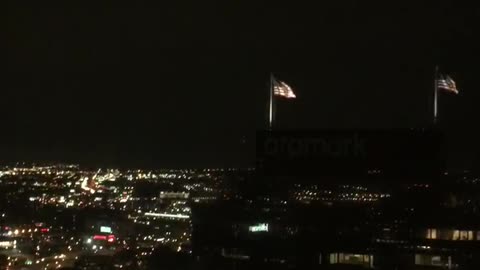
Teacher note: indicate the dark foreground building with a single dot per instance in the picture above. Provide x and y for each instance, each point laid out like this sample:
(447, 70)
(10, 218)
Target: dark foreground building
(344, 200)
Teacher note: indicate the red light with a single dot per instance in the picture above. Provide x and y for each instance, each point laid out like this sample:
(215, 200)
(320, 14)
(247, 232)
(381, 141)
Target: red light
(44, 230)
(111, 238)
(99, 237)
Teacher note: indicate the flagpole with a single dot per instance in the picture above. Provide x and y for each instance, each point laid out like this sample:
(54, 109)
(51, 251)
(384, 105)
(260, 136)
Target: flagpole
(435, 97)
(270, 120)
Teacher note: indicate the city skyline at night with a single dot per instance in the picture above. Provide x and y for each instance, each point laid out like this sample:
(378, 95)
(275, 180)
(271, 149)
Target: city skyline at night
(193, 135)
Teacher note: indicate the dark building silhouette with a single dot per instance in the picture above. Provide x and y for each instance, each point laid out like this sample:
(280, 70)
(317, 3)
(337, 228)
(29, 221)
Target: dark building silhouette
(350, 199)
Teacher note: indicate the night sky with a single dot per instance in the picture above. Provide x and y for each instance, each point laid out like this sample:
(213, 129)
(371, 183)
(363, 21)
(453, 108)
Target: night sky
(186, 84)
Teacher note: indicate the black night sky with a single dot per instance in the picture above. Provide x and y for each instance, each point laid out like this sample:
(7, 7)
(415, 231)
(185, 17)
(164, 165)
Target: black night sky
(186, 84)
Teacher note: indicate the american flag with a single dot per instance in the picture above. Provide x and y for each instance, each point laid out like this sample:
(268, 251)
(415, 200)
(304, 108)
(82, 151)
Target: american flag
(447, 83)
(282, 89)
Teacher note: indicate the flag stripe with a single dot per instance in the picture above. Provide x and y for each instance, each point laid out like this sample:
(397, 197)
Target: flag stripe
(282, 89)
(446, 83)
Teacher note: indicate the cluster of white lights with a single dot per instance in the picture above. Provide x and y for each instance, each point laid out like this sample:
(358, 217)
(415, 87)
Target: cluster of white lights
(180, 216)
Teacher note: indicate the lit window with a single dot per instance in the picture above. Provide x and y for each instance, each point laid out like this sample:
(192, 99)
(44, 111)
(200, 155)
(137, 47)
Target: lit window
(431, 260)
(437, 260)
(333, 258)
(456, 235)
(353, 259)
(432, 234)
(463, 235)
